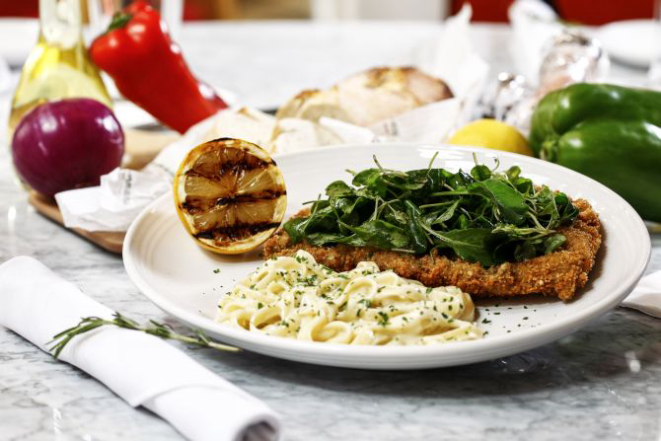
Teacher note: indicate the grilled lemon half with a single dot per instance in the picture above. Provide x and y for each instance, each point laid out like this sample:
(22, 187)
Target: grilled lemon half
(230, 195)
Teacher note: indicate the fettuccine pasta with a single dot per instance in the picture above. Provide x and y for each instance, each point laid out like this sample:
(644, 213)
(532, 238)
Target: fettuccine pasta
(295, 297)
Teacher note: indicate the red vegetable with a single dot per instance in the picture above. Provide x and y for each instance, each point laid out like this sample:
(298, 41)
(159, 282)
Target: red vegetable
(149, 69)
(67, 144)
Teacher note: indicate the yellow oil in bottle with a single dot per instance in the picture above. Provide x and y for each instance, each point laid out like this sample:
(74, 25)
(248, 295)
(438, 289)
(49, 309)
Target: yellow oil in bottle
(59, 66)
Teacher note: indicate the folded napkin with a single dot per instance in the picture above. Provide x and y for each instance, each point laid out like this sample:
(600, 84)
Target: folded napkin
(646, 297)
(140, 368)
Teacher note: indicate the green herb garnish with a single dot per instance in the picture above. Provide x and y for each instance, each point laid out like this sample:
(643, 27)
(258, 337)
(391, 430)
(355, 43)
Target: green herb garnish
(366, 302)
(483, 216)
(159, 330)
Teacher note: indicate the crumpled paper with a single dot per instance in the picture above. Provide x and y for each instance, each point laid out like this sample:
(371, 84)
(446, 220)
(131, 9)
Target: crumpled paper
(122, 195)
(426, 124)
(534, 24)
(114, 204)
(453, 58)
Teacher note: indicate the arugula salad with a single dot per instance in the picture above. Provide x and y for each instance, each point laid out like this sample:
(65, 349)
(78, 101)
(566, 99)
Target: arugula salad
(483, 216)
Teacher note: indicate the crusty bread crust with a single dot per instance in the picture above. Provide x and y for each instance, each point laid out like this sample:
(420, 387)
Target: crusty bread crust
(559, 274)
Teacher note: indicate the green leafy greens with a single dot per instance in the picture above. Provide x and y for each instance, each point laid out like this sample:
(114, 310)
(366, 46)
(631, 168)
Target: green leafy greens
(483, 216)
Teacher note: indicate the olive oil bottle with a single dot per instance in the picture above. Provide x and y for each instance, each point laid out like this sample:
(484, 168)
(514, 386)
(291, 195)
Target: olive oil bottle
(59, 65)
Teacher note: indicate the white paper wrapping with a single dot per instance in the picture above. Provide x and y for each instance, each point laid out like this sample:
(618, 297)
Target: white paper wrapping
(432, 123)
(122, 195)
(454, 59)
(140, 368)
(534, 24)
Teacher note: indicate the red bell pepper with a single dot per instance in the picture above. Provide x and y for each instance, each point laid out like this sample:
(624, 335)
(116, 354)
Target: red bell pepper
(149, 69)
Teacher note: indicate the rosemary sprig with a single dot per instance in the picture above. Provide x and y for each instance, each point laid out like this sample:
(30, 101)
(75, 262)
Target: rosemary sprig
(154, 328)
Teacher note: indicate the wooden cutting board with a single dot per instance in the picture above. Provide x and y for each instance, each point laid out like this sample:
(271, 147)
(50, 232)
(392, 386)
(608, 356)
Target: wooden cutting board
(108, 240)
(141, 147)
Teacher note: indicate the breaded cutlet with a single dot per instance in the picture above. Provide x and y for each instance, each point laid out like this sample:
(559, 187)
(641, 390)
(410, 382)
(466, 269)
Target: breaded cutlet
(559, 274)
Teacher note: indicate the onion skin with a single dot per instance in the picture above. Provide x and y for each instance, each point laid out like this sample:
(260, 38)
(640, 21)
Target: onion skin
(67, 144)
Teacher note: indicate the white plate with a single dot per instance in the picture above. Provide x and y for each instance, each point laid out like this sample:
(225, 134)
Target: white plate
(178, 276)
(634, 42)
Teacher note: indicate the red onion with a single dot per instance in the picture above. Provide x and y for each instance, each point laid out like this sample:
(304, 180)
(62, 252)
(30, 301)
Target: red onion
(67, 144)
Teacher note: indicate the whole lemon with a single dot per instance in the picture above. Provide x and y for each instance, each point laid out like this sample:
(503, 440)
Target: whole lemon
(492, 134)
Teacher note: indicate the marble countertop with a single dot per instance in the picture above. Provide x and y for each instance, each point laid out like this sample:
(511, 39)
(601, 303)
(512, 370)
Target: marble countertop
(600, 383)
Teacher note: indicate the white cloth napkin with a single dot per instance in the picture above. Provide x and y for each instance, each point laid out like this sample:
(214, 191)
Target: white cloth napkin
(646, 297)
(142, 369)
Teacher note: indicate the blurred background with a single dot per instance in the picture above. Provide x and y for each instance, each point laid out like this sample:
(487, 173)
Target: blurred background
(588, 12)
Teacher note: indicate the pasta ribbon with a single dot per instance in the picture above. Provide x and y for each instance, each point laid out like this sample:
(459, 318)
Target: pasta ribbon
(296, 297)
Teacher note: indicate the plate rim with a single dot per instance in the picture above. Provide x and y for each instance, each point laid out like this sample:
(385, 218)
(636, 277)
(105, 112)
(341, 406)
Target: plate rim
(479, 349)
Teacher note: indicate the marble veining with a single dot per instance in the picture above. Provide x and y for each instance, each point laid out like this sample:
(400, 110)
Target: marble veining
(599, 383)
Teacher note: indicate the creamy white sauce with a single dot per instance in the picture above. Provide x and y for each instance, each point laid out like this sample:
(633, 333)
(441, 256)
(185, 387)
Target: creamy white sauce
(295, 297)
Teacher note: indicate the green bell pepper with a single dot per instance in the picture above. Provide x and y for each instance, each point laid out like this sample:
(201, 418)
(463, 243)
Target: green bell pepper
(609, 133)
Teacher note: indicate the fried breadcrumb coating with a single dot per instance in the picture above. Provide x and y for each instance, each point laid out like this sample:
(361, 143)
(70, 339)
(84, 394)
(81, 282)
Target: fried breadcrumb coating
(559, 274)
